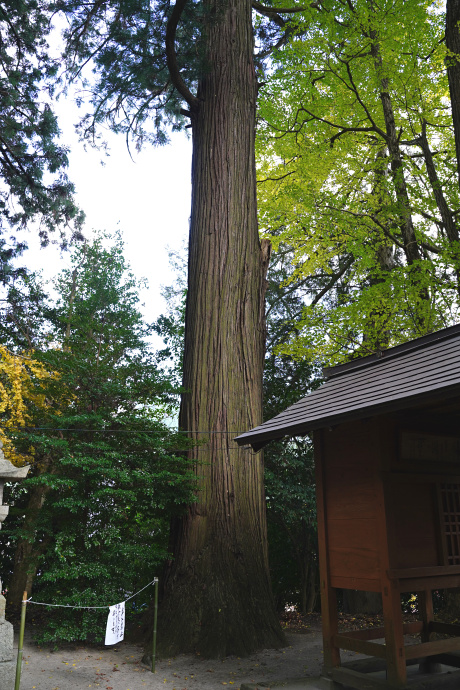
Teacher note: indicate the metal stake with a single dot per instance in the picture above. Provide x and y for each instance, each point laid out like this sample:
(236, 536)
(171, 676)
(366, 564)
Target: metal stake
(155, 616)
(21, 641)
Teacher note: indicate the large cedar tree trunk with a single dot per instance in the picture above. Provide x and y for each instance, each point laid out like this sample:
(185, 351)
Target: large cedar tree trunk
(217, 596)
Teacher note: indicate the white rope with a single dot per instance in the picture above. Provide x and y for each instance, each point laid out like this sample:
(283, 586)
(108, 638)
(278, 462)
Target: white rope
(155, 579)
(69, 606)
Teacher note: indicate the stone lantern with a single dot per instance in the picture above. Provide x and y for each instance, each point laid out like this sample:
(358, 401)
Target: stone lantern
(8, 473)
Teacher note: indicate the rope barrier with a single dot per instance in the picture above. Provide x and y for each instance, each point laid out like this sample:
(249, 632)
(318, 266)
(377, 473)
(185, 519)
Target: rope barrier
(29, 600)
(117, 431)
(70, 606)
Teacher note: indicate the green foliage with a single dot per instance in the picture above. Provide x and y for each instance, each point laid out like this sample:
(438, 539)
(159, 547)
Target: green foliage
(171, 325)
(34, 190)
(108, 471)
(32, 164)
(125, 42)
(289, 468)
(291, 519)
(105, 517)
(343, 186)
(285, 379)
(23, 305)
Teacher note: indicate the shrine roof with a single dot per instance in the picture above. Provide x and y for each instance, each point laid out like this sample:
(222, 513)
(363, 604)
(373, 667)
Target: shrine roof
(424, 369)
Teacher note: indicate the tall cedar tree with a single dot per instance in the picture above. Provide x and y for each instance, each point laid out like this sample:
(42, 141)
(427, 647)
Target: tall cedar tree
(152, 60)
(289, 470)
(105, 478)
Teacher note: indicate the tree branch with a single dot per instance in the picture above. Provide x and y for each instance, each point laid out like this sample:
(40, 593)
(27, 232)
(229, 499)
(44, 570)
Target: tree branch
(343, 128)
(270, 12)
(274, 13)
(436, 186)
(263, 9)
(171, 60)
(281, 42)
(332, 282)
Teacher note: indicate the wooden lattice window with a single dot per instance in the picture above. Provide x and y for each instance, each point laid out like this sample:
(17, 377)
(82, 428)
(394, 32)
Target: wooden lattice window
(450, 521)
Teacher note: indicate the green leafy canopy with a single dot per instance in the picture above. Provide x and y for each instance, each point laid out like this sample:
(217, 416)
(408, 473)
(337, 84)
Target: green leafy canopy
(357, 175)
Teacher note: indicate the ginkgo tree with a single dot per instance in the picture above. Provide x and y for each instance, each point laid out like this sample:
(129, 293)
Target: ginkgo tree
(21, 393)
(357, 173)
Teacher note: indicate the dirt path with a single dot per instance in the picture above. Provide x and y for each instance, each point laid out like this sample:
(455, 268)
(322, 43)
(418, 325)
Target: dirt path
(120, 667)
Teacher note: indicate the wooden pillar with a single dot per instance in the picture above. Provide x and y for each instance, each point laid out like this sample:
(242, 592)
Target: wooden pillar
(328, 593)
(394, 637)
(330, 625)
(425, 603)
(391, 596)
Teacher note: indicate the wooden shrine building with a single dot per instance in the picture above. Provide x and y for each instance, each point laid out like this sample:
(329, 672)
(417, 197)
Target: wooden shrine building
(386, 432)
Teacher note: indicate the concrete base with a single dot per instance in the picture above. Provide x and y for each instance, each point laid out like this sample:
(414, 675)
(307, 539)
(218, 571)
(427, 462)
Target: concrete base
(447, 679)
(7, 664)
(7, 675)
(6, 641)
(321, 683)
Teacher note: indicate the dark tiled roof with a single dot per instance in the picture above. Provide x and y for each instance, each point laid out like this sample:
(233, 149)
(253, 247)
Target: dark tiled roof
(423, 369)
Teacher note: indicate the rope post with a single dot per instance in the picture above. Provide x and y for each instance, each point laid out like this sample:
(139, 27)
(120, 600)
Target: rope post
(155, 616)
(21, 641)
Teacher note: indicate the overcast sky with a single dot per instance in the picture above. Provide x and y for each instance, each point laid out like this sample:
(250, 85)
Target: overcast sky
(148, 199)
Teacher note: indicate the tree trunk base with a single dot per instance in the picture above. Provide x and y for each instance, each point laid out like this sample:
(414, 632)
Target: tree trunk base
(215, 617)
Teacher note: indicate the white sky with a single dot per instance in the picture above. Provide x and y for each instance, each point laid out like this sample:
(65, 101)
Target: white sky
(148, 199)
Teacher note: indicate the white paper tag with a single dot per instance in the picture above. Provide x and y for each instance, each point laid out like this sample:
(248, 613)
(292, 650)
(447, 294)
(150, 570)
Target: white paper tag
(115, 630)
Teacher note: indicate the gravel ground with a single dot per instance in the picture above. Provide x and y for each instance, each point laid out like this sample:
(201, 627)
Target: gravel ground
(120, 667)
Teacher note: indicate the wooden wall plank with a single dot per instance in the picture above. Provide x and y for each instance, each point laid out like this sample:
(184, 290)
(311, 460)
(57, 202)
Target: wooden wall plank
(351, 503)
(412, 628)
(445, 628)
(418, 651)
(431, 571)
(359, 583)
(417, 584)
(353, 533)
(357, 680)
(348, 562)
(353, 644)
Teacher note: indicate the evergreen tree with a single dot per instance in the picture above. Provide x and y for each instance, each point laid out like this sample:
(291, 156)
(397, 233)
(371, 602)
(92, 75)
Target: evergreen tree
(107, 475)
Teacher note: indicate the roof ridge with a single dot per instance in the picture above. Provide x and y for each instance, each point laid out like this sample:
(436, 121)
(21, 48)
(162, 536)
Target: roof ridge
(397, 350)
